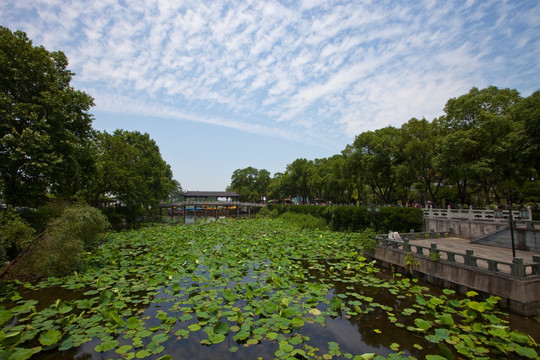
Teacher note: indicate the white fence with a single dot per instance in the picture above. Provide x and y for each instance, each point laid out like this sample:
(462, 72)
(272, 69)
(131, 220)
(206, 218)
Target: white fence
(475, 214)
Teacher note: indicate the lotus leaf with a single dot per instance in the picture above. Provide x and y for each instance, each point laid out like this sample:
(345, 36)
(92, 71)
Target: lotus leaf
(241, 335)
(123, 349)
(106, 346)
(155, 348)
(159, 338)
(141, 354)
(5, 315)
(50, 337)
(21, 354)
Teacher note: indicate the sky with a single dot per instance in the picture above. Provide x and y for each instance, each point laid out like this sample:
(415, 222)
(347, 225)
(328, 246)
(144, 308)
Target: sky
(223, 85)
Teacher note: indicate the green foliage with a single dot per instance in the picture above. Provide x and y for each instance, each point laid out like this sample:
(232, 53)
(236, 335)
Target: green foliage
(305, 221)
(163, 287)
(358, 218)
(487, 138)
(15, 234)
(529, 113)
(132, 172)
(67, 237)
(410, 262)
(40, 218)
(45, 127)
(435, 256)
(84, 223)
(381, 155)
(266, 212)
(251, 183)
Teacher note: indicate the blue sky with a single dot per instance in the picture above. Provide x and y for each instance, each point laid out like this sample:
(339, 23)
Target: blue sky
(223, 85)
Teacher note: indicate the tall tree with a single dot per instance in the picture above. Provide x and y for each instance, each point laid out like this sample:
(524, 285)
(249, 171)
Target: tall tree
(419, 140)
(133, 171)
(380, 156)
(44, 123)
(251, 183)
(298, 179)
(528, 112)
(353, 173)
(484, 117)
(328, 180)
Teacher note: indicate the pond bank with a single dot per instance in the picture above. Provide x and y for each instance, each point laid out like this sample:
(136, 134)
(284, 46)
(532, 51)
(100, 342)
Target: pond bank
(452, 263)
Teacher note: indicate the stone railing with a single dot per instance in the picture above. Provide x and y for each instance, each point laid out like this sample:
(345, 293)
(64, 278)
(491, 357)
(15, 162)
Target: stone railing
(515, 268)
(476, 214)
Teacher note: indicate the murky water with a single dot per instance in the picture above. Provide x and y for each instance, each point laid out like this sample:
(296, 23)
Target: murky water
(366, 333)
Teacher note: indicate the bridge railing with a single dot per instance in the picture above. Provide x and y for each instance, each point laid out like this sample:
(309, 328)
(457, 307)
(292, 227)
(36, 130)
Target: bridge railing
(477, 214)
(515, 268)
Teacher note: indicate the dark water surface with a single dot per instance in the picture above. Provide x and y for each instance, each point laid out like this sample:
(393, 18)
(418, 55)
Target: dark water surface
(366, 333)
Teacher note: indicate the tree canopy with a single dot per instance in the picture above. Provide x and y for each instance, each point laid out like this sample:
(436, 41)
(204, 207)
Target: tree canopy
(484, 148)
(49, 148)
(45, 125)
(251, 183)
(132, 171)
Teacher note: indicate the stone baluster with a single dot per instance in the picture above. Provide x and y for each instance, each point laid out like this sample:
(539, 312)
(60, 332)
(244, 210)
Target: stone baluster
(518, 268)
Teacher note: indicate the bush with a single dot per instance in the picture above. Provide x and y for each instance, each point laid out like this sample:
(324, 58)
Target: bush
(59, 252)
(40, 218)
(356, 218)
(304, 221)
(15, 234)
(83, 223)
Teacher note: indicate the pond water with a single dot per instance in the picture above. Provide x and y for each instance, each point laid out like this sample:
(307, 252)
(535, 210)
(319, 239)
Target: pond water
(242, 291)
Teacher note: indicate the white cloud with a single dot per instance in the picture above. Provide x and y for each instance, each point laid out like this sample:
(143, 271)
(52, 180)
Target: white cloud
(323, 71)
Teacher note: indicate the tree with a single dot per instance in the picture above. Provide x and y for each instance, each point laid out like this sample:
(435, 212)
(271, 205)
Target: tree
(276, 187)
(380, 156)
(352, 171)
(420, 138)
(133, 171)
(45, 126)
(297, 179)
(452, 162)
(484, 117)
(328, 182)
(177, 193)
(528, 112)
(251, 183)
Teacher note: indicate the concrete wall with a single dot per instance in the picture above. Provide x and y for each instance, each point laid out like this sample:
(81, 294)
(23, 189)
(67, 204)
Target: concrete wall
(524, 239)
(465, 229)
(521, 295)
(488, 232)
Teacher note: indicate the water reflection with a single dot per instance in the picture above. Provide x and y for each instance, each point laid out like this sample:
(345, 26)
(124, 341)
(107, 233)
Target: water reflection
(356, 334)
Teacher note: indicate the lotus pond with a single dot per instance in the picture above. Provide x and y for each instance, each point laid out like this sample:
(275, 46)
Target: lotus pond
(246, 289)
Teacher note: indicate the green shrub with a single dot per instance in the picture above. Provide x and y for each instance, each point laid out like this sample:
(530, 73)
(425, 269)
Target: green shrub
(304, 221)
(15, 234)
(84, 223)
(40, 218)
(59, 252)
(357, 218)
(266, 212)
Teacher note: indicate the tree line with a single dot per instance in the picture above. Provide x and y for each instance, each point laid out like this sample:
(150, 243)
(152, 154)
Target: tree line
(49, 150)
(484, 151)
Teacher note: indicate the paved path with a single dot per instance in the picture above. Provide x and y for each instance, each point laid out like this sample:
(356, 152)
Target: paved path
(459, 245)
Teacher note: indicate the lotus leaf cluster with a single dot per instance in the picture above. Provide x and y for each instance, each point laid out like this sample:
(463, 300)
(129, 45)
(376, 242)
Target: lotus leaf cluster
(257, 288)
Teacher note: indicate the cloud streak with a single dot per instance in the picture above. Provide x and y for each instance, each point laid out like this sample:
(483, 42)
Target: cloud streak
(314, 72)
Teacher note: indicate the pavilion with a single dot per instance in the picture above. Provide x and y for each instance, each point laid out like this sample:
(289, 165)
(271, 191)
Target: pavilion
(210, 195)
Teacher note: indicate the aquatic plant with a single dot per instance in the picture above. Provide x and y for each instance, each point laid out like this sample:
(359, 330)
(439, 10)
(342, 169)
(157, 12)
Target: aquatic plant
(244, 286)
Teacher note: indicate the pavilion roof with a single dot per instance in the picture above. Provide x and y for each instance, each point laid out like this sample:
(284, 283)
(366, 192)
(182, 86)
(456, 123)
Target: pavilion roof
(196, 194)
